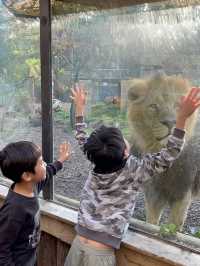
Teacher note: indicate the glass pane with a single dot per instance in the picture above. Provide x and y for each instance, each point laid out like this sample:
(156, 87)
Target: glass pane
(139, 59)
(20, 110)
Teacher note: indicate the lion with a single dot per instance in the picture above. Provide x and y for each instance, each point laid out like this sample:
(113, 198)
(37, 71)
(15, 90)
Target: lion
(152, 105)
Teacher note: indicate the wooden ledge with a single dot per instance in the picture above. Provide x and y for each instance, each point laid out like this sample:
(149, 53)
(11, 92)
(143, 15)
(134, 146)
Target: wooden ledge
(59, 222)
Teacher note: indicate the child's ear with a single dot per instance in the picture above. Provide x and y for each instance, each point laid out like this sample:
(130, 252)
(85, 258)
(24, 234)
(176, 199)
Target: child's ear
(26, 176)
(126, 153)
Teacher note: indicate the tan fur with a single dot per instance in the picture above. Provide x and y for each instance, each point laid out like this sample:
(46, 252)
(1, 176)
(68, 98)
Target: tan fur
(152, 106)
(146, 122)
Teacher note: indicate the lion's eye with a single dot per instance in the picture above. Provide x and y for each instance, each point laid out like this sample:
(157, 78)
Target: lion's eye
(153, 107)
(133, 96)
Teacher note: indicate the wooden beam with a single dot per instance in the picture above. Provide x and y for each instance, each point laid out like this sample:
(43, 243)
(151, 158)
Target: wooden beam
(110, 4)
(63, 7)
(69, 6)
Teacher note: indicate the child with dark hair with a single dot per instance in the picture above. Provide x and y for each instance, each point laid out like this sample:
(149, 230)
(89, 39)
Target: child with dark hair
(22, 163)
(108, 197)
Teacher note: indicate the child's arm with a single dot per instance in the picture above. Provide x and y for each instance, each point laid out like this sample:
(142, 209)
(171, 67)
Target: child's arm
(80, 134)
(150, 164)
(79, 98)
(161, 161)
(53, 168)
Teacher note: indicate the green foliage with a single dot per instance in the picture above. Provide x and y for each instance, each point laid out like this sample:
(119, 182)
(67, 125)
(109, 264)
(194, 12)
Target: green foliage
(168, 230)
(19, 49)
(102, 109)
(109, 114)
(34, 67)
(197, 234)
(61, 115)
(106, 113)
(61, 71)
(195, 231)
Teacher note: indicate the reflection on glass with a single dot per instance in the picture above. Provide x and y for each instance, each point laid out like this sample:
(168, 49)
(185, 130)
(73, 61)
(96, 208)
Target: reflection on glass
(111, 52)
(20, 117)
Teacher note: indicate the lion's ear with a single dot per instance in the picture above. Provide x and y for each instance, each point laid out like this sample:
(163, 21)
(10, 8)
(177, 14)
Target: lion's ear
(137, 91)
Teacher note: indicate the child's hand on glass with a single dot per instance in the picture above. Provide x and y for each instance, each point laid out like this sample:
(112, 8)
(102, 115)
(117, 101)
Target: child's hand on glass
(64, 152)
(79, 98)
(188, 105)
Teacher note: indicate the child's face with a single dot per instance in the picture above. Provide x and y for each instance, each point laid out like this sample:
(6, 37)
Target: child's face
(40, 171)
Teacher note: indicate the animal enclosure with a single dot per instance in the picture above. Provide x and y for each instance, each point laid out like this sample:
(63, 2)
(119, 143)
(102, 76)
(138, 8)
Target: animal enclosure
(111, 52)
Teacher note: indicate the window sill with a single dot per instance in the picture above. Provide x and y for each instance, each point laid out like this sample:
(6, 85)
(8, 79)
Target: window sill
(59, 221)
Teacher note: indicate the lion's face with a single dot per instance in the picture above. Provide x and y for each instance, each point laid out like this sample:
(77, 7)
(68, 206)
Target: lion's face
(152, 107)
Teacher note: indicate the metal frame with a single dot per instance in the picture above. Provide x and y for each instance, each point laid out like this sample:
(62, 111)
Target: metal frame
(46, 89)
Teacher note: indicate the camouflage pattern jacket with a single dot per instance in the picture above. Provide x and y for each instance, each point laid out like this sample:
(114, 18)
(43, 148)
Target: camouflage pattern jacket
(108, 200)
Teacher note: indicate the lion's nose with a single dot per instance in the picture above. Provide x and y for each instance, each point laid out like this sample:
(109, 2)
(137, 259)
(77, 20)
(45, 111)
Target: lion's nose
(169, 123)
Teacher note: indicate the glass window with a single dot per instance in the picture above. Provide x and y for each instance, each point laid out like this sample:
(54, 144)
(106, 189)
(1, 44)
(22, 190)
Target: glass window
(20, 108)
(120, 55)
(135, 62)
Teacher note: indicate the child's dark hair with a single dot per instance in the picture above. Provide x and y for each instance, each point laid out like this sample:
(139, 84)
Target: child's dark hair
(105, 148)
(17, 158)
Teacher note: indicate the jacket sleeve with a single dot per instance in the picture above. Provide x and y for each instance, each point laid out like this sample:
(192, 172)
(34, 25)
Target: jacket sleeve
(51, 170)
(9, 231)
(80, 134)
(145, 168)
